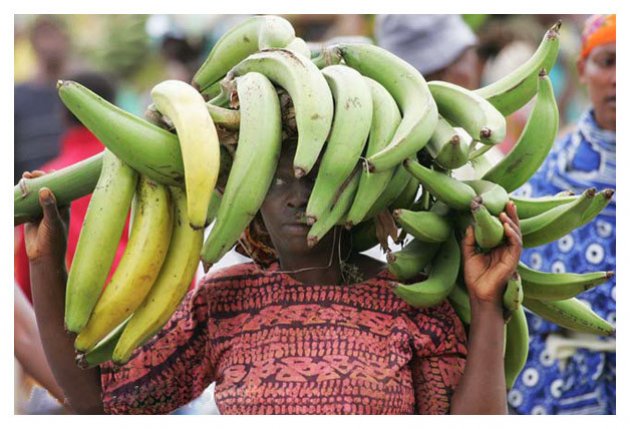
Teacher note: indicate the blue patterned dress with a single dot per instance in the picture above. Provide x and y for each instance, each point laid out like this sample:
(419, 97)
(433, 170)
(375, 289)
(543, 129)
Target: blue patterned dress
(585, 384)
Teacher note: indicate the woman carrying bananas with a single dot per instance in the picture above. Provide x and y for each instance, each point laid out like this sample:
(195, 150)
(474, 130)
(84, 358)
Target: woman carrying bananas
(300, 330)
(567, 373)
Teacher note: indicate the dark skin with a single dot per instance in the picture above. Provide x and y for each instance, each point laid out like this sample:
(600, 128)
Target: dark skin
(598, 71)
(482, 387)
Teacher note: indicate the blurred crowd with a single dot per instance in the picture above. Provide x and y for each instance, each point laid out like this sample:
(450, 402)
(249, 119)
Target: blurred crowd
(121, 57)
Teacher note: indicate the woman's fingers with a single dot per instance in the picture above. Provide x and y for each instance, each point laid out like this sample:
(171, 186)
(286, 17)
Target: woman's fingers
(512, 212)
(32, 174)
(514, 239)
(506, 219)
(468, 244)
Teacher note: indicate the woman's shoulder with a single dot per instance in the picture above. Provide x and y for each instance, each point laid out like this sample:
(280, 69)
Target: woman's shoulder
(236, 273)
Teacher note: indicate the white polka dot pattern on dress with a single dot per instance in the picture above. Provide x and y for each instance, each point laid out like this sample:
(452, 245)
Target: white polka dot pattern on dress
(595, 253)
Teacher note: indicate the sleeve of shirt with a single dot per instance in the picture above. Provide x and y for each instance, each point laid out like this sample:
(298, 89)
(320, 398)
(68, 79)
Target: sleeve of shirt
(167, 372)
(439, 344)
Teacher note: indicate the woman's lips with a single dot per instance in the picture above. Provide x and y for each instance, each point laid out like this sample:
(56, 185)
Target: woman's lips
(297, 228)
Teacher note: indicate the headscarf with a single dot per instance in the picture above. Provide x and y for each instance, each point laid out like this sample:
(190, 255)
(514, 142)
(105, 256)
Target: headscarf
(598, 30)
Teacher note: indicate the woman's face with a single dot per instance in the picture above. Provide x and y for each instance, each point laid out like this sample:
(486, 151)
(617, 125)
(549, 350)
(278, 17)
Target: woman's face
(598, 72)
(285, 203)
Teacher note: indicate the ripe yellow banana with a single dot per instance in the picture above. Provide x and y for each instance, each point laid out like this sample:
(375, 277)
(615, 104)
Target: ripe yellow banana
(138, 267)
(102, 227)
(170, 286)
(198, 141)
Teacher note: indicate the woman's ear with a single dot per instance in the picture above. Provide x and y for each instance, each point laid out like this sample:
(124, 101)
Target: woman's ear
(581, 66)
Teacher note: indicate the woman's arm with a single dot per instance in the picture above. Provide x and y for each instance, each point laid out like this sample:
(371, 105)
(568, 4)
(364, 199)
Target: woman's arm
(46, 248)
(481, 389)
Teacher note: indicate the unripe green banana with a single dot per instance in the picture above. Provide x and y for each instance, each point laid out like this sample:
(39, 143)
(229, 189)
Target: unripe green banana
(411, 259)
(385, 121)
(516, 346)
(489, 231)
(557, 222)
(299, 46)
(252, 35)
(571, 314)
(198, 141)
(309, 92)
(170, 287)
(409, 89)
(407, 196)
(447, 189)
(345, 143)
(513, 294)
(148, 149)
(493, 196)
(98, 241)
(225, 118)
(600, 201)
(470, 111)
(425, 226)
(442, 276)
(253, 168)
(530, 207)
(213, 207)
(139, 266)
(513, 91)
(363, 236)
(400, 179)
(460, 301)
(102, 352)
(558, 286)
(534, 143)
(446, 147)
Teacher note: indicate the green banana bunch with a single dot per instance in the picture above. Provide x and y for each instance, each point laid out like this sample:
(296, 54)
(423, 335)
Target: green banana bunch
(309, 92)
(600, 201)
(571, 314)
(411, 259)
(139, 266)
(409, 89)
(254, 165)
(398, 183)
(514, 90)
(198, 141)
(352, 97)
(148, 149)
(470, 111)
(170, 287)
(426, 226)
(98, 241)
(558, 286)
(449, 190)
(513, 294)
(488, 229)
(534, 144)
(442, 277)
(446, 147)
(493, 196)
(557, 222)
(516, 346)
(385, 121)
(252, 35)
(460, 301)
(530, 207)
(299, 46)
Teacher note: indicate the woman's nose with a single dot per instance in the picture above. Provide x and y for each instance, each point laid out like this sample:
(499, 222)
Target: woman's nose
(300, 192)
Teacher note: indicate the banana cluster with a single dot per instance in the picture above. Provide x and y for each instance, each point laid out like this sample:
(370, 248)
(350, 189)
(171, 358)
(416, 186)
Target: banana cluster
(383, 136)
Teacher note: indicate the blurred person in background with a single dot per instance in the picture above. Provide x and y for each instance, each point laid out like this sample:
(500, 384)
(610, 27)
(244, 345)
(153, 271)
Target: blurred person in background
(567, 373)
(37, 109)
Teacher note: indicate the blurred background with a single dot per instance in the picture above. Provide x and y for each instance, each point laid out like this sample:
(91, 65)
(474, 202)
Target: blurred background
(123, 56)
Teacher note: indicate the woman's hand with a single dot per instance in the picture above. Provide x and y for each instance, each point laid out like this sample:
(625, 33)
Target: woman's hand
(46, 238)
(486, 274)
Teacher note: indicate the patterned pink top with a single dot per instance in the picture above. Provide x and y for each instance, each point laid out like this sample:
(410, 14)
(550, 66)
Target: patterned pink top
(276, 346)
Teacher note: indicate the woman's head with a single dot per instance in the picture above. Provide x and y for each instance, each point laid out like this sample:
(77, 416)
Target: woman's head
(597, 68)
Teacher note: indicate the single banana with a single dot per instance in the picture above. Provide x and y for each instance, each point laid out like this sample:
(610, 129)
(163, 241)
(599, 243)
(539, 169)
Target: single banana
(488, 229)
(557, 286)
(102, 352)
(170, 286)
(442, 276)
(411, 259)
(425, 226)
(252, 35)
(385, 121)
(571, 314)
(451, 191)
(253, 168)
(534, 143)
(98, 241)
(409, 89)
(229, 119)
(298, 45)
(335, 215)
(516, 346)
(139, 266)
(148, 149)
(460, 301)
(213, 207)
(363, 236)
(398, 183)
(345, 143)
(513, 294)
(600, 201)
(470, 111)
(198, 141)
(557, 222)
(309, 92)
(493, 196)
(446, 147)
(530, 207)
(513, 91)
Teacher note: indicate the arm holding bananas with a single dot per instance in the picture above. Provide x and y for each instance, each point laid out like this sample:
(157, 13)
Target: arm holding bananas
(481, 389)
